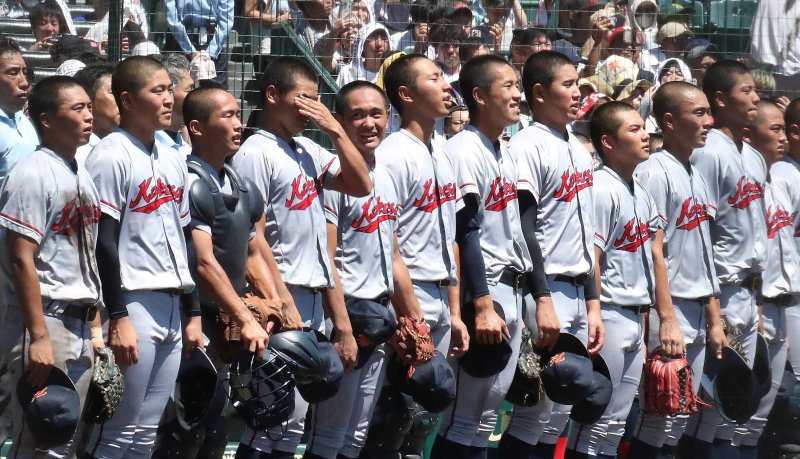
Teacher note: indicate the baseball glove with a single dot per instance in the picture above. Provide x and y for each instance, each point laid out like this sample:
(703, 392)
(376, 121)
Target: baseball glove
(105, 389)
(668, 386)
(413, 340)
(263, 312)
(529, 368)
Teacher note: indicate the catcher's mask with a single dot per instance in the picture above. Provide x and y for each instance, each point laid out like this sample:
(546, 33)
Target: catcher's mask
(51, 411)
(199, 396)
(262, 390)
(567, 371)
(372, 324)
(300, 350)
(589, 410)
(330, 376)
(432, 384)
(484, 360)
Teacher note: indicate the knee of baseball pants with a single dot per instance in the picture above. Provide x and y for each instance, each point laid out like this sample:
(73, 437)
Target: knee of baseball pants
(327, 431)
(708, 425)
(530, 424)
(653, 429)
(373, 374)
(793, 333)
(600, 438)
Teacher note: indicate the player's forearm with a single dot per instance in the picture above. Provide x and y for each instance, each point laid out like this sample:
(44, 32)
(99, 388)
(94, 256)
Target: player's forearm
(536, 278)
(468, 237)
(25, 282)
(454, 291)
(259, 275)
(217, 284)
(663, 298)
(354, 176)
(404, 300)
(713, 312)
(109, 266)
(333, 298)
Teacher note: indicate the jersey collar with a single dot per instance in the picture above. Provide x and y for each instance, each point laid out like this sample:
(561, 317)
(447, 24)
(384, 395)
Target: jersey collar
(71, 167)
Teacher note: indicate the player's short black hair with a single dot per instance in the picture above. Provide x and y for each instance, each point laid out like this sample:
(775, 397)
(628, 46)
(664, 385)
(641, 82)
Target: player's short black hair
(763, 103)
(478, 73)
(401, 72)
(91, 76)
(9, 45)
(668, 98)
(606, 120)
(792, 114)
(721, 76)
(340, 101)
(132, 74)
(285, 71)
(469, 47)
(46, 96)
(198, 104)
(541, 68)
(46, 9)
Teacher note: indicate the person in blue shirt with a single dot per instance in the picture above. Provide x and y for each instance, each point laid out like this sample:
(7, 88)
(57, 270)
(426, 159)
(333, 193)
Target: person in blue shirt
(18, 138)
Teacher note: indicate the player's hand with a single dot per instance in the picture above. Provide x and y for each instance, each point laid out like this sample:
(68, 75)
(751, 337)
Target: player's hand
(193, 335)
(318, 113)
(597, 333)
(123, 341)
(291, 317)
(761, 319)
(254, 337)
(489, 326)
(671, 337)
(346, 347)
(459, 338)
(715, 338)
(547, 323)
(40, 360)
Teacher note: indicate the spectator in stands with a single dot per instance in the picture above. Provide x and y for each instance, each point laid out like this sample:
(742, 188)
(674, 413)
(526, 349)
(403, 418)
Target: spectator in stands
(132, 11)
(69, 47)
(372, 44)
(645, 15)
(47, 23)
(577, 19)
(178, 69)
(334, 48)
(314, 21)
(673, 70)
(672, 38)
(200, 30)
(394, 14)
(700, 54)
(261, 17)
(471, 47)
(775, 40)
(525, 43)
(627, 42)
(18, 138)
(456, 120)
(446, 39)
(96, 80)
(415, 38)
(497, 25)
(461, 15)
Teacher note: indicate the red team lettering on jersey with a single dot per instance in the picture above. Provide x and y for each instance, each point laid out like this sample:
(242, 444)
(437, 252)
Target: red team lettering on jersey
(501, 193)
(427, 202)
(74, 216)
(634, 235)
(693, 213)
(572, 183)
(777, 220)
(154, 197)
(304, 191)
(373, 212)
(746, 192)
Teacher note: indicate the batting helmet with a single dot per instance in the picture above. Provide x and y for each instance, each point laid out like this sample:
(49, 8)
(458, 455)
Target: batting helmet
(199, 396)
(330, 376)
(300, 350)
(483, 360)
(51, 411)
(262, 391)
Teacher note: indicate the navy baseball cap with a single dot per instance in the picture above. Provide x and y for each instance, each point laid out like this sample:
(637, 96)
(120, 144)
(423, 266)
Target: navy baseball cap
(51, 412)
(590, 409)
(432, 384)
(327, 383)
(733, 386)
(372, 325)
(484, 360)
(567, 373)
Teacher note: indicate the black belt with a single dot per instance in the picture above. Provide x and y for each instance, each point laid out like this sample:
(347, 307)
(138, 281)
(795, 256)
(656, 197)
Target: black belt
(313, 290)
(702, 299)
(752, 282)
(169, 291)
(574, 280)
(638, 309)
(80, 311)
(512, 278)
(787, 299)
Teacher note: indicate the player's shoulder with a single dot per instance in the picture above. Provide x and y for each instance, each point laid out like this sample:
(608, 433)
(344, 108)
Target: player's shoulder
(785, 170)
(34, 166)
(398, 150)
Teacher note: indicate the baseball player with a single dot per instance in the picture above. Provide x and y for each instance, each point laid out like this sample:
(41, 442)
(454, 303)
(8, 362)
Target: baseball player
(555, 195)
(735, 176)
(786, 175)
(96, 81)
(781, 272)
(628, 246)
(141, 253)
(291, 172)
(493, 253)
(681, 197)
(362, 239)
(49, 211)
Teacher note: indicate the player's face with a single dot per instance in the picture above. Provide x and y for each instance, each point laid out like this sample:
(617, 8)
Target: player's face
(431, 90)
(743, 100)
(632, 142)
(563, 98)
(184, 85)
(70, 125)
(222, 133)
(503, 96)
(693, 121)
(104, 108)
(365, 119)
(152, 105)
(13, 83)
(768, 136)
(293, 122)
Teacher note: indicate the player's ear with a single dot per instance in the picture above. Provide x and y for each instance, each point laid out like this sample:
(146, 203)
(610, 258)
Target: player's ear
(271, 94)
(747, 134)
(194, 128)
(719, 100)
(405, 93)
(538, 92)
(45, 120)
(478, 96)
(793, 132)
(668, 121)
(127, 100)
(607, 141)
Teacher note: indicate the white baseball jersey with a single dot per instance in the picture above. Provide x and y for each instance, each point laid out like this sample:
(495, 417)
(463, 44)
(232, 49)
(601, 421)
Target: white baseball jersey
(625, 221)
(559, 173)
(786, 175)
(685, 209)
(782, 273)
(144, 191)
(56, 205)
(735, 181)
(488, 171)
(426, 188)
(291, 178)
(366, 226)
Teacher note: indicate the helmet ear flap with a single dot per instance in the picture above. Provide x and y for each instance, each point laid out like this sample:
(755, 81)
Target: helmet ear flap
(261, 390)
